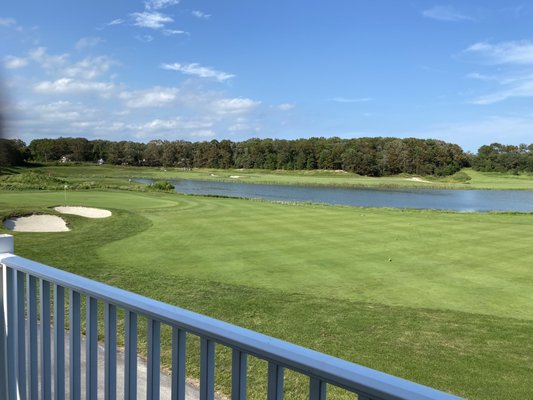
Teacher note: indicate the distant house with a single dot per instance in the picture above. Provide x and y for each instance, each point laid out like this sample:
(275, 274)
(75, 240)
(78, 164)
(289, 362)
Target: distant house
(64, 159)
(100, 161)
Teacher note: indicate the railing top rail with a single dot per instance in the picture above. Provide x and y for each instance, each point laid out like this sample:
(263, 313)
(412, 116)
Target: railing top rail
(330, 369)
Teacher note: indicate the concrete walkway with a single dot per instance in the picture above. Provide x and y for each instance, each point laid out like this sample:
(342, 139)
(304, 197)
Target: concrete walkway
(191, 392)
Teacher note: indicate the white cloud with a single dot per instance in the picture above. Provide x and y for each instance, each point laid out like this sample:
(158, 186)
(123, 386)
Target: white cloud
(285, 106)
(446, 14)
(155, 97)
(234, 106)
(170, 32)
(86, 42)
(117, 21)
(197, 70)
(8, 22)
(200, 14)
(242, 127)
(175, 124)
(144, 38)
(12, 62)
(515, 88)
(205, 133)
(47, 61)
(481, 77)
(68, 85)
(350, 100)
(158, 124)
(152, 20)
(514, 52)
(512, 83)
(159, 4)
(89, 68)
(60, 111)
(472, 134)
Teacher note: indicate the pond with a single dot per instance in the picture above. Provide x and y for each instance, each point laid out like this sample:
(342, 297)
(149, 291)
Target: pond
(457, 200)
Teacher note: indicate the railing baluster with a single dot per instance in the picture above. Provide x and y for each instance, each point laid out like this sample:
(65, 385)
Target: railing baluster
(207, 369)
(21, 335)
(317, 389)
(46, 357)
(238, 375)
(91, 353)
(3, 356)
(275, 382)
(110, 374)
(33, 381)
(11, 334)
(178, 364)
(154, 354)
(75, 345)
(59, 342)
(130, 358)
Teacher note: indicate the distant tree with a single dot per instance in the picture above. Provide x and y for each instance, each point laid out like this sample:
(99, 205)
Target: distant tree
(152, 155)
(168, 156)
(79, 149)
(13, 152)
(225, 154)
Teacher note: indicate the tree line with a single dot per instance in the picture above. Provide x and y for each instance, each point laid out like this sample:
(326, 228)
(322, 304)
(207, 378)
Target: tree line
(498, 157)
(376, 156)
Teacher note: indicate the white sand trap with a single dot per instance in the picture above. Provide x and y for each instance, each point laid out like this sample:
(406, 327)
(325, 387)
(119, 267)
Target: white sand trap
(36, 223)
(415, 179)
(235, 176)
(86, 212)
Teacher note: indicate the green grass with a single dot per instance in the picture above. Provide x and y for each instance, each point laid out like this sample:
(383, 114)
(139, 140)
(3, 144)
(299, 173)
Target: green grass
(479, 180)
(453, 308)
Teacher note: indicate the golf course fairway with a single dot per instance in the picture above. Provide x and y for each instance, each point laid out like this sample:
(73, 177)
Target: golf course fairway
(441, 298)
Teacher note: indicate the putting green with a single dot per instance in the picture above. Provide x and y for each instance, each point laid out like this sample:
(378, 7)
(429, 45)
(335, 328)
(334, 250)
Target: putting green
(463, 262)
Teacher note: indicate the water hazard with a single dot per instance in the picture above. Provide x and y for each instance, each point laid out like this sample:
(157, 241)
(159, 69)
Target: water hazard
(457, 200)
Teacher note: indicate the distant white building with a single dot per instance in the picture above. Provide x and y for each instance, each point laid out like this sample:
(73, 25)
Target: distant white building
(101, 161)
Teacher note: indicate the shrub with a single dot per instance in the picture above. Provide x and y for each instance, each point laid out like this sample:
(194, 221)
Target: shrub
(461, 176)
(31, 180)
(162, 186)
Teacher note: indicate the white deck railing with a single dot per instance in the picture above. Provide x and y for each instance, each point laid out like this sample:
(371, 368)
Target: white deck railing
(27, 371)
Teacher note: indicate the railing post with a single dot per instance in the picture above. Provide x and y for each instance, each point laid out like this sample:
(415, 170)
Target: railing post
(6, 247)
(3, 350)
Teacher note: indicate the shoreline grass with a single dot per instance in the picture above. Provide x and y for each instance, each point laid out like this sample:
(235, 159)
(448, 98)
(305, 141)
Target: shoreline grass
(121, 174)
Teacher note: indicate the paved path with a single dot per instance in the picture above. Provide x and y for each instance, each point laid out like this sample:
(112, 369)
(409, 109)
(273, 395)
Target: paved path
(191, 392)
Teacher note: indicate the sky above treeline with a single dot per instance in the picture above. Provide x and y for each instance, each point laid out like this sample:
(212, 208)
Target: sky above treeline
(210, 69)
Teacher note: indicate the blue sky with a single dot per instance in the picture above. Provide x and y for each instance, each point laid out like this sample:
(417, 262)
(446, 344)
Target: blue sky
(200, 70)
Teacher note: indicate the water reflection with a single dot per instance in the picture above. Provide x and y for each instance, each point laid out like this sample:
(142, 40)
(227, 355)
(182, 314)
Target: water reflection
(457, 200)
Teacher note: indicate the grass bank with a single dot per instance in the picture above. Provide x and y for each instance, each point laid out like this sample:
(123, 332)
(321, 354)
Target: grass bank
(445, 299)
(115, 175)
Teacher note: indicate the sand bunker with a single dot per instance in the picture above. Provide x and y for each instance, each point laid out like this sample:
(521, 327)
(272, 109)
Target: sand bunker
(36, 223)
(86, 212)
(415, 179)
(235, 176)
